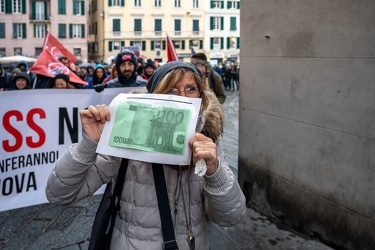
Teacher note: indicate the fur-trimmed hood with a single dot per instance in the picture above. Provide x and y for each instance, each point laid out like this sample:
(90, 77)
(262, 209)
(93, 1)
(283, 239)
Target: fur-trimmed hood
(210, 121)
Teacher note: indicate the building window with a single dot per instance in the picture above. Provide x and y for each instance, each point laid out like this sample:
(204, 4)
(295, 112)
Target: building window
(2, 30)
(140, 44)
(17, 7)
(62, 30)
(157, 3)
(61, 8)
(19, 30)
(2, 52)
(217, 43)
(233, 5)
(115, 46)
(158, 27)
(116, 2)
(39, 11)
(39, 30)
(233, 21)
(77, 52)
(18, 51)
(217, 23)
(177, 3)
(137, 3)
(179, 44)
(156, 45)
(196, 27)
(78, 7)
(38, 51)
(77, 31)
(137, 27)
(195, 3)
(177, 27)
(217, 4)
(116, 27)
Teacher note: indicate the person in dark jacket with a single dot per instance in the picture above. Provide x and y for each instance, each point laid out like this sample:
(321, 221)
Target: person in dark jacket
(149, 70)
(126, 66)
(22, 81)
(97, 77)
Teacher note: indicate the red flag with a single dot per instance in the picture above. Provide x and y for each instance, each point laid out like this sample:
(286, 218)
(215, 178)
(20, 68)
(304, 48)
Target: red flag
(48, 65)
(56, 48)
(171, 51)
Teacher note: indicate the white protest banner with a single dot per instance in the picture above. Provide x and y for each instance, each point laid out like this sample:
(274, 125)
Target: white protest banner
(151, 128)
(37, 127)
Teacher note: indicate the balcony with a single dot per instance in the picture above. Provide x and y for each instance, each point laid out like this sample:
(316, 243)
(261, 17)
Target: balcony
(40, 18)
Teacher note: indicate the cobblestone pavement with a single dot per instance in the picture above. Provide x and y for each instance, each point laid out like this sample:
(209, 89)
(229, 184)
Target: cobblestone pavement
(48, 226)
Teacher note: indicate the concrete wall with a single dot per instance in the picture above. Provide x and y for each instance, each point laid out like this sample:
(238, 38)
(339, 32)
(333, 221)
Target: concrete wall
(307, 116)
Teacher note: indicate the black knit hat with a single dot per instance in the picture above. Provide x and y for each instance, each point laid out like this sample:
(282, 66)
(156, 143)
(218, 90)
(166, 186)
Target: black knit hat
(62, 76)
(126, 55)
(159, 74)
(150, 63)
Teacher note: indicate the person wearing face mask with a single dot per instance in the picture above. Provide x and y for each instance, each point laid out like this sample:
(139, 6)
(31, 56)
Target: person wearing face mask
(126, 67)
(191, 198)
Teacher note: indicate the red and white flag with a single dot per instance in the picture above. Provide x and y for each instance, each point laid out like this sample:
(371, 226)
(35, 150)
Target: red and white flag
(171, 51)
(56, 48)
(48, 65)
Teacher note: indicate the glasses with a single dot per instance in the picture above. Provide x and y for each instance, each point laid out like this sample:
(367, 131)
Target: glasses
(189, 91)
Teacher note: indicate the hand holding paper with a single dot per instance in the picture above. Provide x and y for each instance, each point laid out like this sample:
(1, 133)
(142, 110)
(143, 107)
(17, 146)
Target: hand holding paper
(150, 128)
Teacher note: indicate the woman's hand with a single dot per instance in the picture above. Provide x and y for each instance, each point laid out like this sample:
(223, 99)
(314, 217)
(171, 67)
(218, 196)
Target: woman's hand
(93, 119)
(204, 148)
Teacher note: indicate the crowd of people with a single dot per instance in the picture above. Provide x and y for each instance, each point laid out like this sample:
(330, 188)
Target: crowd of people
(125, 70)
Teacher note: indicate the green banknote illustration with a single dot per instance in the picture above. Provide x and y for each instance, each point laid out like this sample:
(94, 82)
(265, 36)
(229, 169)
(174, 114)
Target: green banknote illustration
(151, 128)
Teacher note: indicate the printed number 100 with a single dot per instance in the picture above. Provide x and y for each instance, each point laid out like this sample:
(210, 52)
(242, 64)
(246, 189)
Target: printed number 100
(169, 116)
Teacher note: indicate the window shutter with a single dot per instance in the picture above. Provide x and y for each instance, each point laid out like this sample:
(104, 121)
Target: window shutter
(46, 17)
(183, 44)
(212, 4)
(211, 43)
(238, 5)
(110, 4)
(238, 42)
(122, 3)
(228, 42)
(201, 44)
(211, 23)
(24, 30)
(195, 25)
(152, 45)
(163, 45)
(14, 30)
(116, 25)
(228, 4)
(74, 7)
(221, 23)
(109, 43)
(143, 45)
(177, 25)
(222, 4)
(233, 23)
(33, 10)
(82, 8)
(70, 30)
(83, 31)
(122, 44)
(34, 30)
(157, 24)
(222, 43)
(24, 7)
(8, 6)
(2, 30)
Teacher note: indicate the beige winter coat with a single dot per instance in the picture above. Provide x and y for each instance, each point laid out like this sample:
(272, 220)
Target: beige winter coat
(80, 172)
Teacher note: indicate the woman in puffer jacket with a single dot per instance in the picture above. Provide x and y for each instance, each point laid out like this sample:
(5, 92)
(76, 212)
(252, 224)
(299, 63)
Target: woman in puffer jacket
(80, 172)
